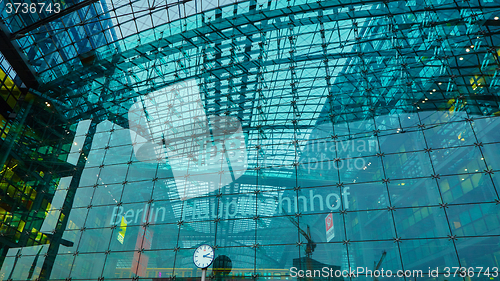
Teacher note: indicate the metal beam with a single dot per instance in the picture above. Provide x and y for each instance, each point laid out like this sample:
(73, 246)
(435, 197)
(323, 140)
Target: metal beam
(16, 59)
(20, 33)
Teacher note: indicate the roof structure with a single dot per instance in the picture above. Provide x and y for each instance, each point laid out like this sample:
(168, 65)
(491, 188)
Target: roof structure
(280, 67)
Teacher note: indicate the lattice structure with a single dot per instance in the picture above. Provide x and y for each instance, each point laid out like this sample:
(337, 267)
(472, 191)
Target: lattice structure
(379, 112)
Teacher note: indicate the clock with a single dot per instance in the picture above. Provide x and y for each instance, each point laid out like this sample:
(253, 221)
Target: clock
(203, 256)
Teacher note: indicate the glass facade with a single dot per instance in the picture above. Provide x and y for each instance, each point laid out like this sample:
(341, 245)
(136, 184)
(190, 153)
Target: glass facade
(294, 137)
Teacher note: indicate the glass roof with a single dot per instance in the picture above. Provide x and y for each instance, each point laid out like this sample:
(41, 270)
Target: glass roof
(280, 67)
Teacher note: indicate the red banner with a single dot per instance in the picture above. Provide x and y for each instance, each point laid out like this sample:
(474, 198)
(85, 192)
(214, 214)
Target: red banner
(140, 261)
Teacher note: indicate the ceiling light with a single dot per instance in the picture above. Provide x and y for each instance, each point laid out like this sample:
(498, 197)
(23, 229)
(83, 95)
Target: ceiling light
(467, 50)
(496, 18)
(461, 58)
(440, 83)
(433, 90)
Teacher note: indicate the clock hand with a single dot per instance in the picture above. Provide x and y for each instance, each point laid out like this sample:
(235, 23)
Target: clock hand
(207, 256)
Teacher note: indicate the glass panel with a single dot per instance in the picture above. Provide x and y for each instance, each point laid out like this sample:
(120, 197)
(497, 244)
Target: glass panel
(369, 225)
(94, 240)
(88, 266)
(471, 188)
(487, 129)
(414, 192)
(457, 160)
(402, 142)
(425, 222)
(425, 254)
(472, 220)
(481, 255)
(375, 255)
(449, 135)
(491, 152)
(407, 165)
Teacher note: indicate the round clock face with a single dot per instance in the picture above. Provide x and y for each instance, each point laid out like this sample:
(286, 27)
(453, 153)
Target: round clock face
(203, 256)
